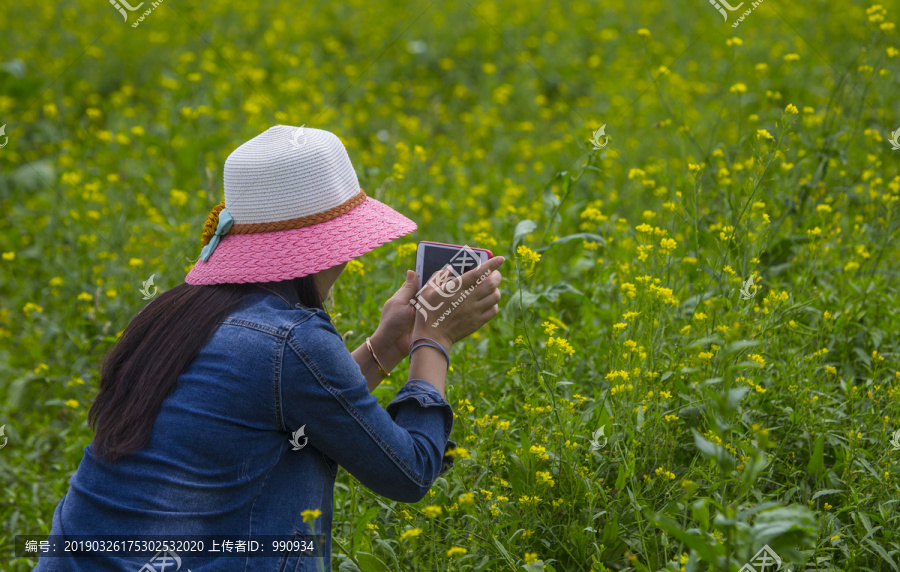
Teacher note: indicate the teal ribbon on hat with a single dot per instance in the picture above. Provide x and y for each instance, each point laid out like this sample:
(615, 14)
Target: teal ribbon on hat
(225, 222)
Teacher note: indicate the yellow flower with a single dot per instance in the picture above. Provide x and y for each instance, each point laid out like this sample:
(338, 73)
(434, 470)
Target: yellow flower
(30, 308)
(56, 281)
(644, 32)
(668, 244)
(432, 511)
(545, 477)
(762, 133)
(405, 250)
(529, 256)
(539, 451)
(560, 345)
(738, 88)
(410, 533)
(549, 328)
(355, 268)
(9, 256)
(791, 108)
(532, 556)
(668, 474)
(85, 297)
(72, 403)
(310, 514)
(458, 453)
(467, 497)
(791, 57)
(456, 550)
(135, 263)
(178, 198)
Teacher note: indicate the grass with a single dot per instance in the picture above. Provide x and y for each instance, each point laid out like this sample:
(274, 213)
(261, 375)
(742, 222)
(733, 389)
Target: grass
(732, 415)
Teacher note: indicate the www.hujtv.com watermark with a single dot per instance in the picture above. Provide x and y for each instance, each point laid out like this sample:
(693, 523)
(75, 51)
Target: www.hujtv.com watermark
(722, 5)
(122, 5)
(447, 283)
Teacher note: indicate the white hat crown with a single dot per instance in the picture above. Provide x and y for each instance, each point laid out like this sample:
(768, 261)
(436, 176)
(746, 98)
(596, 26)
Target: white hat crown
(286, 173)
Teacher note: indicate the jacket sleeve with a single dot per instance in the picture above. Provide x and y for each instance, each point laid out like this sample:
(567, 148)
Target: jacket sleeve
(397, 452)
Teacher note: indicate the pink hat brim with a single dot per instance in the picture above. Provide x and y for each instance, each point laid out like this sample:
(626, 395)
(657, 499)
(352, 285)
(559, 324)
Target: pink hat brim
(286, 254)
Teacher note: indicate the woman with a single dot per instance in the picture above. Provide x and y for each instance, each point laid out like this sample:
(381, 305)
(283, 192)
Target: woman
(228, 403)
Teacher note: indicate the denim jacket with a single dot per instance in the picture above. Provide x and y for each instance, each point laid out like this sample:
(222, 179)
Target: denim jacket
(222, 456)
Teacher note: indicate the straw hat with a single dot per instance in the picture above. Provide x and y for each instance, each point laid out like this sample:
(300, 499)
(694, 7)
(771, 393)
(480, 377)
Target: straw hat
(293, 206)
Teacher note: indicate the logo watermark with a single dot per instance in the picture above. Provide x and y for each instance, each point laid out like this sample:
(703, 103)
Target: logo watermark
(753, 6)
(148, 283)
(746, 287)
(298, 133)
(721, 5)
(447, 283)
(295, 438)
(122, 6)
(6, 139)
(595, 140)
(893, 140)
(596, 442)
(153, 6)
(164, 559)
(765, 558)
(895, 440)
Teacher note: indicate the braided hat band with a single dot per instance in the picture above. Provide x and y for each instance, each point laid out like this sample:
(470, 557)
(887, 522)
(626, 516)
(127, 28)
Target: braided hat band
(294, 207)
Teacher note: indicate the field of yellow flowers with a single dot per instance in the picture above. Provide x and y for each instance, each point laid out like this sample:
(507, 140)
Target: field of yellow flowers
(698, 352)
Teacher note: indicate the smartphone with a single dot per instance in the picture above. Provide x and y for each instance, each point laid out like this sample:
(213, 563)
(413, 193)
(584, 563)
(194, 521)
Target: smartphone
(433, 256)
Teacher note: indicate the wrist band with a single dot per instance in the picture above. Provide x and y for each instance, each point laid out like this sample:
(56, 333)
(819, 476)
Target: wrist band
(378, 363)
(433, 344)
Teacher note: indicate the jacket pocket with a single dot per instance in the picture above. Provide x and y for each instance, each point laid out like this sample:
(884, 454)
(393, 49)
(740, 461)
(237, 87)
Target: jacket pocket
(290, 560)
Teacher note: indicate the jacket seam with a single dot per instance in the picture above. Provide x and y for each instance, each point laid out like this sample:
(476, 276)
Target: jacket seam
(355, 414)
(276, 383)
(252, 325)
(281, 450)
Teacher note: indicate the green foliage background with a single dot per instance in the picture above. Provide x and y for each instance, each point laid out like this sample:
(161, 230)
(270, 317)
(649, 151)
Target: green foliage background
(730, 421)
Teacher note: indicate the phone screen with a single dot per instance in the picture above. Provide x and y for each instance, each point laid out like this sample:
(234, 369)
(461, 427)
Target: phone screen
(436, 257)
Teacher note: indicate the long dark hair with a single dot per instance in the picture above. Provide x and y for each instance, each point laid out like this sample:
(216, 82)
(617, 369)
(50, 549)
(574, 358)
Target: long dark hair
(157, 346)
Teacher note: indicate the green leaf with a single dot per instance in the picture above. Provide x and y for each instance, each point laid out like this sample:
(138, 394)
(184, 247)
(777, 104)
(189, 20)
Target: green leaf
(524, 227)
(826, 492)
(883, 553)
(370, 563)
(348, 566)
(739, 345)
(581, 235)
(694, 541)
(360, 528)
(700, 511)
(709, 449)
(816, 464)
(503, 551)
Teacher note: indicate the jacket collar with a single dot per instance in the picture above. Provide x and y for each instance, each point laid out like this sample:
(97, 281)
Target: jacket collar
(283, 289)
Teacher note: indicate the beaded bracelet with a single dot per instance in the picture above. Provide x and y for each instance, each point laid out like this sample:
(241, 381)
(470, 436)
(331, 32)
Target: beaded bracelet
(434, 344)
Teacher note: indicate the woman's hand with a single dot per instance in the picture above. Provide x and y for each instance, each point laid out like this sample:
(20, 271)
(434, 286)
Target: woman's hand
(463, 305)
(392, 336)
